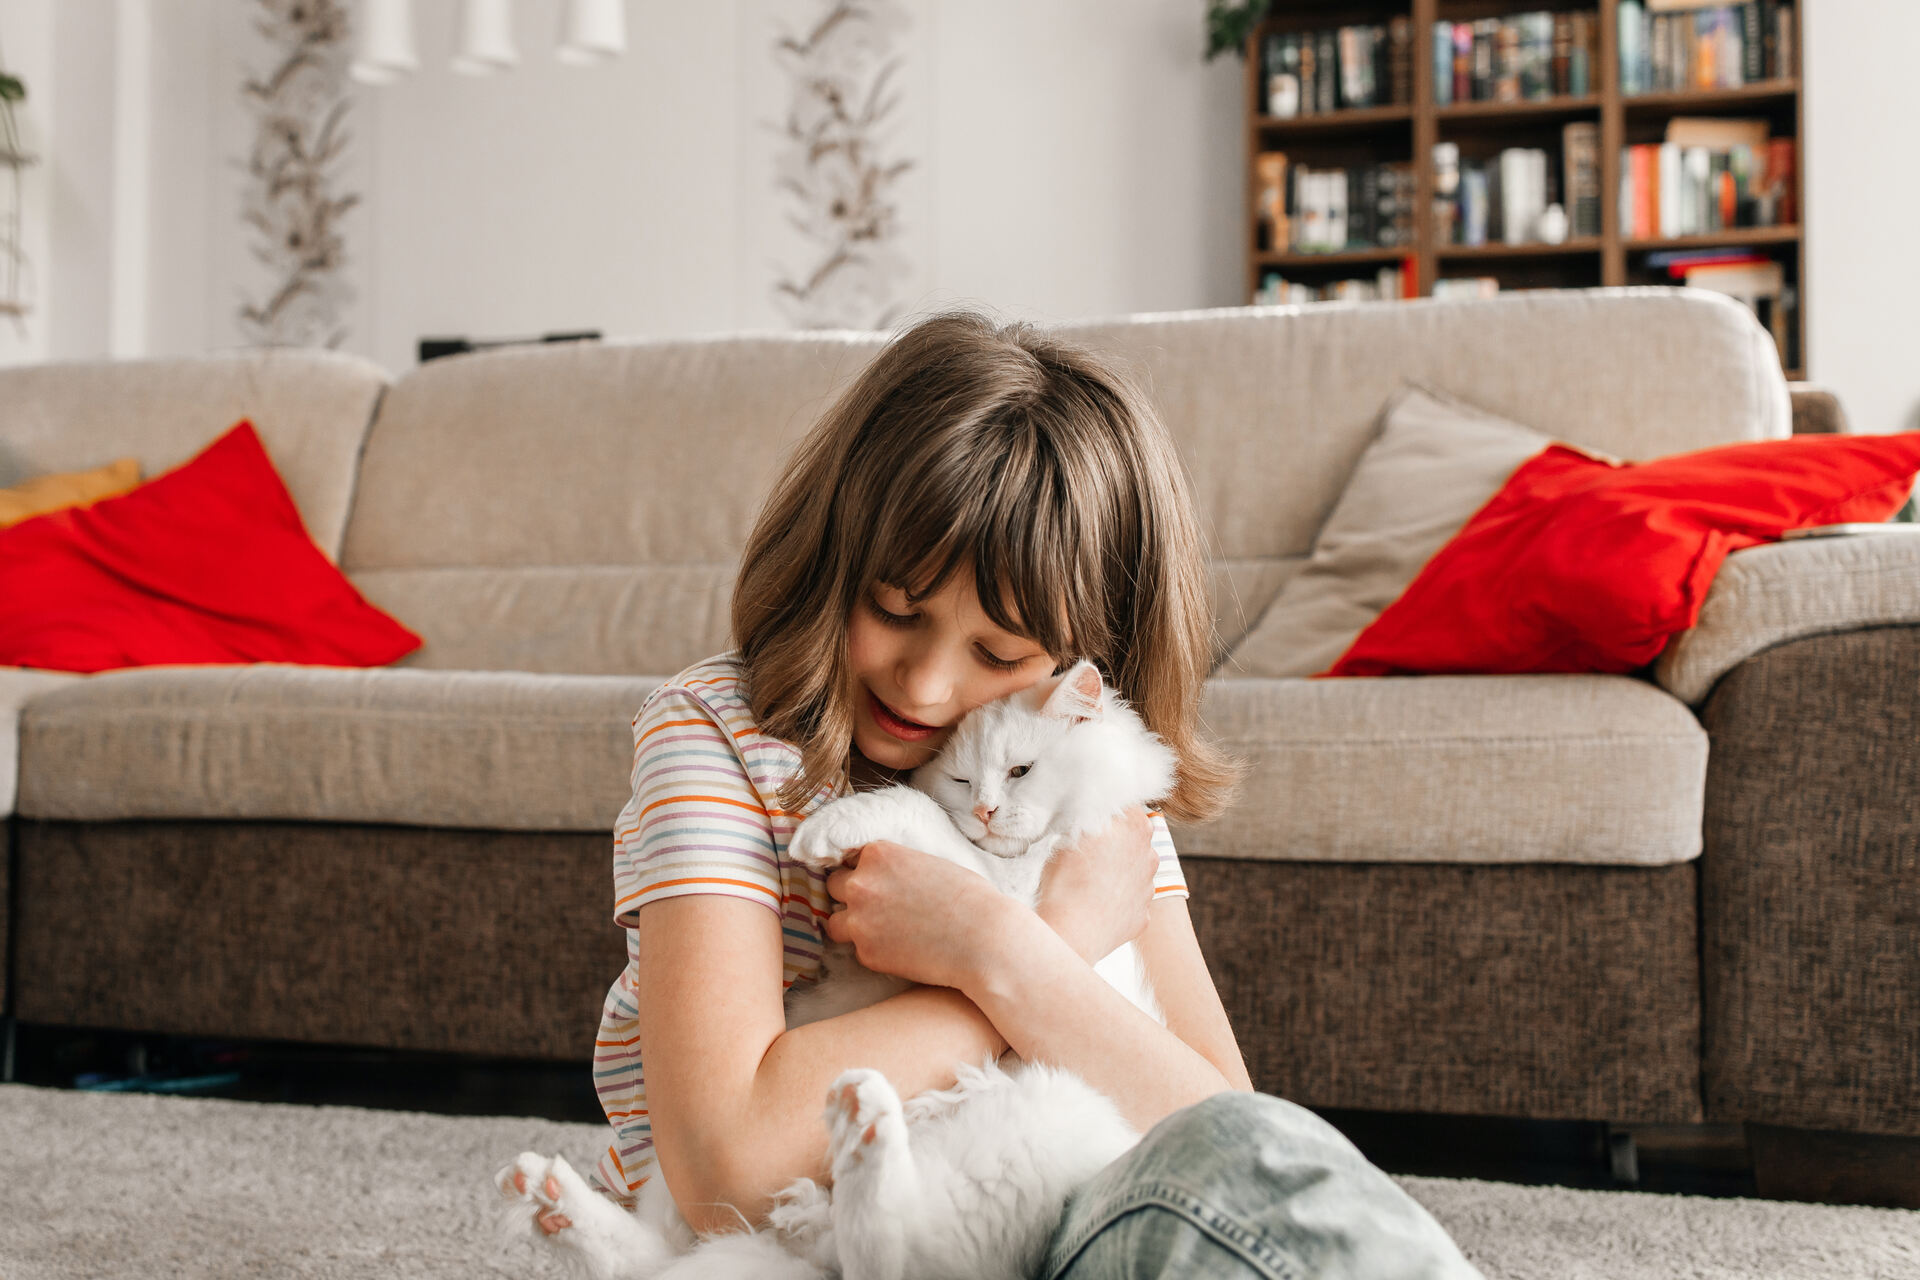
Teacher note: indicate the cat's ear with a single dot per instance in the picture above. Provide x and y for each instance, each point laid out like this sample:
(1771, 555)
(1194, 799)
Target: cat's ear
(1077, 696)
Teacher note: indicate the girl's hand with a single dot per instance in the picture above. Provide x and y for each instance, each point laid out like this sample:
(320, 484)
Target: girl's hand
(1096, 894)
(916, 916)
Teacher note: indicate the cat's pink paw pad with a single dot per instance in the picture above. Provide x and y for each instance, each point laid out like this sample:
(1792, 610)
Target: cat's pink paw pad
(862, 1108)
(542, 1185)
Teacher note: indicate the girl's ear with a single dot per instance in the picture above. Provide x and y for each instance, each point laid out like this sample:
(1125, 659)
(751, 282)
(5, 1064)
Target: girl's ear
(1077, 696)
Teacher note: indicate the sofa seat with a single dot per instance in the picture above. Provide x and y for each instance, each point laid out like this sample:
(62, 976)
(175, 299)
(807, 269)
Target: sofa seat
(495, 750)
(17, 684)
(1595, 769)
(1475, 769)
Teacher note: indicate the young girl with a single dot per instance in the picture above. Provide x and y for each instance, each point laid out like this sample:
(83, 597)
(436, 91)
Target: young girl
(981, 507)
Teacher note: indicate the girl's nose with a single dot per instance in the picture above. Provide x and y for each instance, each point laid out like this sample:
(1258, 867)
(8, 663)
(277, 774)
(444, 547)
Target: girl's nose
(984, 814)
(925, 681)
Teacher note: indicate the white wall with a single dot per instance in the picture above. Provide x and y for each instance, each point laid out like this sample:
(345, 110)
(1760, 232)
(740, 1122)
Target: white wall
(1077, 158)
(1863, 205)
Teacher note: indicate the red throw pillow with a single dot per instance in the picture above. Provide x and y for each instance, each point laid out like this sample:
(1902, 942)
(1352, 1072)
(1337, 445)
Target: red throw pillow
(1581, 564)
(209, 562)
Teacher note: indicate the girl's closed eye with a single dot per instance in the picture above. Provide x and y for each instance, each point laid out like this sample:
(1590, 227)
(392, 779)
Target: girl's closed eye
(903, 621)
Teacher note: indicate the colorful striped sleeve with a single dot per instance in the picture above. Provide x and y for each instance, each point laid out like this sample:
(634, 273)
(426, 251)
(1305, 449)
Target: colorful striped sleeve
(695, 822)
(1168, 881)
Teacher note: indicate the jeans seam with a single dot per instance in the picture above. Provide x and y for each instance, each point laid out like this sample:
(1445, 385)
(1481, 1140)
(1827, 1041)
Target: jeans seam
(1253, 1245)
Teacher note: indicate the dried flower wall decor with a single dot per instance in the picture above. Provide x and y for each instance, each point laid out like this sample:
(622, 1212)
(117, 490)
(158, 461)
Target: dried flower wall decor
(300, 110)
(833, 166)
(13, 158)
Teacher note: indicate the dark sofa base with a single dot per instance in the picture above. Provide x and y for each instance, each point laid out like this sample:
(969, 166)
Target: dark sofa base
(1546, 991)
(1810, 886)
(1553, 992)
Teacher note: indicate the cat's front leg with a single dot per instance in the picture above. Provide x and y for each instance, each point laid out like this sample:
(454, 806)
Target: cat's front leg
(893, 813)
(876, 1186)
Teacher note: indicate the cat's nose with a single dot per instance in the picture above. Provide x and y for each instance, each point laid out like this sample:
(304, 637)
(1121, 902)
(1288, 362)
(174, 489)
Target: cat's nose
(984, 814)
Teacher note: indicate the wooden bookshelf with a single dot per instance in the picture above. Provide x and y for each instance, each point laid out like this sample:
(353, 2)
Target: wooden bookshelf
(1408, 132)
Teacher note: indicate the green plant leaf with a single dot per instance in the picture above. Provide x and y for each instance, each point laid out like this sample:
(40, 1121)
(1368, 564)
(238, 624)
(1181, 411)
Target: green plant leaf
(12, 89)
(1230, 22)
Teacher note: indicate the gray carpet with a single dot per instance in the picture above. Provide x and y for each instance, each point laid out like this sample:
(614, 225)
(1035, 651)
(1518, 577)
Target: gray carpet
(100, 1186)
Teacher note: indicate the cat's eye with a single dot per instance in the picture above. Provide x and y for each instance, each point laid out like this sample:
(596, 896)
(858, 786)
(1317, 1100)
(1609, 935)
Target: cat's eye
(1019, 771)
(962, 781)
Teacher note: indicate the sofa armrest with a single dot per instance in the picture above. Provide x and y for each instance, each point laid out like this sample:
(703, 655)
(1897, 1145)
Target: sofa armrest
(1808, 886)
(1816, 410)
(1780, 591)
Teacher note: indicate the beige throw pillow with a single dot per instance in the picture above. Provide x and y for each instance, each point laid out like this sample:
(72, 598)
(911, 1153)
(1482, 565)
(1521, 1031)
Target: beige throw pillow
(69, 489)
(1435, 462)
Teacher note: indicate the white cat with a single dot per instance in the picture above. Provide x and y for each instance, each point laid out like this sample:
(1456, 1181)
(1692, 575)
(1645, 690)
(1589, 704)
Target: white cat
(967, 1182)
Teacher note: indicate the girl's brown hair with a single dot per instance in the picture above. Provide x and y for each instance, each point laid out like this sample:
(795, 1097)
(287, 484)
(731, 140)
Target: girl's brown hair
(1035, 463)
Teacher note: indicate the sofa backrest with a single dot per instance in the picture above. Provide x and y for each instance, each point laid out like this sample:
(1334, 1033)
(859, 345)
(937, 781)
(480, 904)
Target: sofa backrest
(311, 408)
(581, 508)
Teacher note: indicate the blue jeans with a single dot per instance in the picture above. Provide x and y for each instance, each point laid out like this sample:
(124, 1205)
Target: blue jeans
(1248, 1187)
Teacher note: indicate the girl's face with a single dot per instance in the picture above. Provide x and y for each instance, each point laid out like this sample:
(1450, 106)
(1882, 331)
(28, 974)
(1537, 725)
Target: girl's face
(918, 668)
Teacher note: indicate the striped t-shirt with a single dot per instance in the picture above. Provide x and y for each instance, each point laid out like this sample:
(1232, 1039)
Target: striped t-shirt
(704, 818)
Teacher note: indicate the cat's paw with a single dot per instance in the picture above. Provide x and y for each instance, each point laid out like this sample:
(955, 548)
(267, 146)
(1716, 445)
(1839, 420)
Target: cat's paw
(549, 1197)
(864, 1121)
(533, 1183)
(823, 839)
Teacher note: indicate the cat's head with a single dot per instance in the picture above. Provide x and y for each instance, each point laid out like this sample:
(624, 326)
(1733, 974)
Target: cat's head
(1012, 768)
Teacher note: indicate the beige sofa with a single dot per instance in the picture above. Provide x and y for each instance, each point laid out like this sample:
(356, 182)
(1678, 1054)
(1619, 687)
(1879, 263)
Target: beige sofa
(1469, 895)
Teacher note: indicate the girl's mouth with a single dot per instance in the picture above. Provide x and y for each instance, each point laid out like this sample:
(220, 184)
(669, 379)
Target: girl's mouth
(898, 726)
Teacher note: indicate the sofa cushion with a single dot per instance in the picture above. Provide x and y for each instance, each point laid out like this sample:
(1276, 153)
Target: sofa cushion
(495, 750)
(42, 494)
(498, 483)
(664, 449)
(1435, 462)
(207, 563)
(1560, 768)
(17, 684)
(312, 408)
(1772, 594)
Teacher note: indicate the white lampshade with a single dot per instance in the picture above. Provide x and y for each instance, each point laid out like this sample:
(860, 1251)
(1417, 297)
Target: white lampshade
(592, 31)
(384, 51)
(484, 43)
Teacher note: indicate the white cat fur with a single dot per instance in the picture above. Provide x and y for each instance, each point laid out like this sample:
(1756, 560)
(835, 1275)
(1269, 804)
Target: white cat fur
(967, 1182)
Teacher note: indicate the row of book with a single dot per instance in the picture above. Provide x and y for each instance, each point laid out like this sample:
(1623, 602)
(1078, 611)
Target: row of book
(1709, 175)
(1522, 195)
(1368, 65)
(1669, 45)
(1388, 284)
(1304, 210)
(1519, 58)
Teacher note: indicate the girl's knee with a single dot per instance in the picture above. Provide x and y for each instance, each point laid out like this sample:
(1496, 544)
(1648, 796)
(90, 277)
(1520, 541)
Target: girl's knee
(1238, 1119)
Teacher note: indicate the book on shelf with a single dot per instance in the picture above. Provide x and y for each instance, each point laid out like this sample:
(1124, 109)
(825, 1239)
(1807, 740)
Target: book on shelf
(1580, 177)
(1339, 68)
(1759, 285)
(1708, 176)
(1270, 201)
(1523, 57)
(1467, 287)
(1668, 46)
(1389, 283)
(1301, 209)
(1496, 201)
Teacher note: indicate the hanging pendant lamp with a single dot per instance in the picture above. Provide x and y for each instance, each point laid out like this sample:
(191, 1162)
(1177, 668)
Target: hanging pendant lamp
(484, 43)
(384, 51)
(592, 31)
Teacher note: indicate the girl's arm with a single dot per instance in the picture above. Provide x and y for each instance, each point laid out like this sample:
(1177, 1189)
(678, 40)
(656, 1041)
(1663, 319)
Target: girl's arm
(1031, 972)
(1052, 1007)
(735, 1099)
